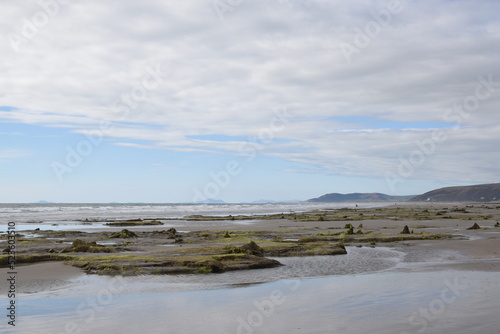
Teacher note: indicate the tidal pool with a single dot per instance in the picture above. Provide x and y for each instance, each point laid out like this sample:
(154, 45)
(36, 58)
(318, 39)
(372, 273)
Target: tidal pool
(369, 290)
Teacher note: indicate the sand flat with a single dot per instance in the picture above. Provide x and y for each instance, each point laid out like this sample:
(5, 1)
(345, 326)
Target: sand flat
(40, 277)
(371, 290)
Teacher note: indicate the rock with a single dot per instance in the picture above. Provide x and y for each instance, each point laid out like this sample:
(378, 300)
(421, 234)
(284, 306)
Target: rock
(80, 246)
(79, 243)
(246, 261)
(213, 268)
(172, 233)
(497, 224)
(135, 222)
(305, 249)
(350, 230)
(406, 230)
(475, 227)
(125, 234)
(253, 249)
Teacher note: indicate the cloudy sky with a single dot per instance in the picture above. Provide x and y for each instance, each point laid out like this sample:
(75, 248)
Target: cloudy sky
(241, 100)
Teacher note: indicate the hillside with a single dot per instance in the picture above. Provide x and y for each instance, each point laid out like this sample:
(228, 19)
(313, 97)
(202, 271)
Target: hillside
(359, 197)
(476, 193)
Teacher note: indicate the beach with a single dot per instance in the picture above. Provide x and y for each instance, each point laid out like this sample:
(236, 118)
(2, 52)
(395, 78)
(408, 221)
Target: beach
(246, 167)
(442, 278)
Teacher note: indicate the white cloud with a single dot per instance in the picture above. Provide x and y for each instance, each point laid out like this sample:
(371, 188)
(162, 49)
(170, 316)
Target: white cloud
(8, 154)
(226, 77)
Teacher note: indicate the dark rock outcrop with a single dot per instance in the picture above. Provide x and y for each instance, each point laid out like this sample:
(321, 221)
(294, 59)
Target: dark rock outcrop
(124, 234)
(406, 230)
(253, 249)
(475, 227)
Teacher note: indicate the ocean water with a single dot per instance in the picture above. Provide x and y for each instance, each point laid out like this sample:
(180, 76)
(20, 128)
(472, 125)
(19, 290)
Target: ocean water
(60, 213)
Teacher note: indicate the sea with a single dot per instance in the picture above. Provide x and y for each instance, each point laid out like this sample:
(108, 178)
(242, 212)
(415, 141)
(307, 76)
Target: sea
(31, 213)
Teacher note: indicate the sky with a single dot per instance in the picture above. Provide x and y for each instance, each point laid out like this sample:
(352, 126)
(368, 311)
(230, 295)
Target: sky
(239, 100)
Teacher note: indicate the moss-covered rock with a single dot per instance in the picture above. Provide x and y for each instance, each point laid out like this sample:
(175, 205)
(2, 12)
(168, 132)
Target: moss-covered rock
(138, 222)
(79, 246)
(34, 258)
(251, 248)
(350, 230)
(124, 234)
(304, 249)
(189, 264)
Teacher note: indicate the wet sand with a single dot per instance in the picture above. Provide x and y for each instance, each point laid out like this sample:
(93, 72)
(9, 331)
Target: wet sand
(385, 292)
(39, 277)
(442, 302)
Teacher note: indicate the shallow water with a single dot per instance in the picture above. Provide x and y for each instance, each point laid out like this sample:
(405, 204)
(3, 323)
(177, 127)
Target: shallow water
(357, 261)
(369, 290)
(384, 302)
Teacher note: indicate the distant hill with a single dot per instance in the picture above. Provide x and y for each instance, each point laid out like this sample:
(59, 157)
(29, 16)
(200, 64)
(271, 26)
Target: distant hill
(360, 197)
(263, 201)
(270, 201)
(211, 201)
(476, 193)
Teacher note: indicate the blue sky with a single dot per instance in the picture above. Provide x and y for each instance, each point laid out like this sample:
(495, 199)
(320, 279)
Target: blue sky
(284, 100)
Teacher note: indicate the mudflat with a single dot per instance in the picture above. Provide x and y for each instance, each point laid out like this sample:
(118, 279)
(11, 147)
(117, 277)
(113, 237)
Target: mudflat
(214, 244)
